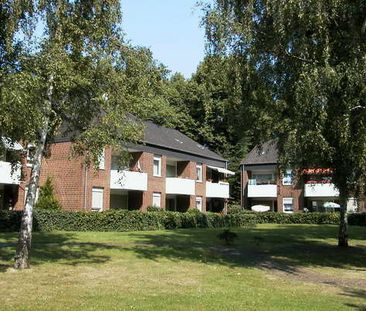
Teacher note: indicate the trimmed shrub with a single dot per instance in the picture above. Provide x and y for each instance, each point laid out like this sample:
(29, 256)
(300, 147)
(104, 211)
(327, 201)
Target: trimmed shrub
(122, 220)
(47, 199)
(234, 208)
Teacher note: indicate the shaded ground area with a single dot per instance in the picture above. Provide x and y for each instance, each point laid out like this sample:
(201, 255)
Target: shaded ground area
(292, 256)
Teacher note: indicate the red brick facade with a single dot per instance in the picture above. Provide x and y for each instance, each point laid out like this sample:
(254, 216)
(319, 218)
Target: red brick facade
(294, 191)
(74, 182)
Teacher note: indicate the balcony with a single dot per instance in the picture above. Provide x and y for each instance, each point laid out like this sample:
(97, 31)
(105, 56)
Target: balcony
(127, 180)
(175, 185)
(320, 190)
(217, 190)
(6, 177)
(262, 189)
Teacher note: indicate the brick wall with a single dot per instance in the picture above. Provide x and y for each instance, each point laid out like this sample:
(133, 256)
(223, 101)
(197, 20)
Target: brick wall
(155, 184)
(73, 181)
(294, 191)
(201, 187)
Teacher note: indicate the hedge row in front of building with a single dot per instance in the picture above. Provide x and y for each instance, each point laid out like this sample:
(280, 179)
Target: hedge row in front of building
(138, 221)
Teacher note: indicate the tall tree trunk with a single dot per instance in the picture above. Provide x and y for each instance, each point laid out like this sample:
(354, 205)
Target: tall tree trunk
(343, 225)
(25, 234)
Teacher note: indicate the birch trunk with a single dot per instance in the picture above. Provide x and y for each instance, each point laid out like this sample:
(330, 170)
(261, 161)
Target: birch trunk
(343, 225)
(25, 234)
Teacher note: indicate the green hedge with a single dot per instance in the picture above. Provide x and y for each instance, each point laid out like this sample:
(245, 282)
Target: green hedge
(48, 220)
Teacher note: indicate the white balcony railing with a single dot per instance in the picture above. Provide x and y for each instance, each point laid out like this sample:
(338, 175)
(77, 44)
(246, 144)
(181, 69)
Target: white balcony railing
(262, 191)
(6, 176)
(127, 180)
(217, 190)
(321, 190)
(176, 185)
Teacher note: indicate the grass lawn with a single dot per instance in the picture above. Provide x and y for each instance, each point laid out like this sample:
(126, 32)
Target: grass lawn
(270, 267)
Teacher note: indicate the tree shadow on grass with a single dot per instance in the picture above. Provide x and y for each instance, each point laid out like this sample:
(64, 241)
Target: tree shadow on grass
(356, 293)
(290, 252)
(290, 247)
(52, 247)
(285, 248)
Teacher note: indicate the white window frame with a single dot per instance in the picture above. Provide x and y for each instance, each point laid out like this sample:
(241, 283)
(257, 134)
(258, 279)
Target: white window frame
(288, 201)
(285, 182)
(99, 191)
(156, 199)
(157, 158)
(199, 172)
(101, 160)
(199, 203)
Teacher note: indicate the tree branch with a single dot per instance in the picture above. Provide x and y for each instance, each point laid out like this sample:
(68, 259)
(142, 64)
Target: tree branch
(309, 61)
(357, 107)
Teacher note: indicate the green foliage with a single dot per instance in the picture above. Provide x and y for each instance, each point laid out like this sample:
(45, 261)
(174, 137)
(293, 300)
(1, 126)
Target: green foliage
(53, 220)
(47, 199)
(209, 111)
(302, 67)
(234, 208)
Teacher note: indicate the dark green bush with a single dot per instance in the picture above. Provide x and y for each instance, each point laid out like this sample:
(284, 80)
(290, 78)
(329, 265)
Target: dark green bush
(357, 219)
(234, 209)
(122, 220)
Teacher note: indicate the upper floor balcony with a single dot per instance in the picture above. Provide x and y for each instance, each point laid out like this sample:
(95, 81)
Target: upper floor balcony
(320, 190)
(262, 188)
(217, 190)
(128, 180)
(176, 185)
(6, 174)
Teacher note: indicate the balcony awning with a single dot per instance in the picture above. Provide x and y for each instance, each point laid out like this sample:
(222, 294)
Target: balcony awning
(10, 145)
(221, 170)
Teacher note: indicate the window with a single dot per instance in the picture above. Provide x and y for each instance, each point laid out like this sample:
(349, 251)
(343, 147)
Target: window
(288, 206)
(262, 178)
(157, 199)
(287, 178)
(199, 171)
(101, 160)
(157, 166)
(97, 199)
(199, 203)
(171, 169)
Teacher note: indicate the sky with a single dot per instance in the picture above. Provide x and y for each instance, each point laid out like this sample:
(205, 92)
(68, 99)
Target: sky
(170, 28)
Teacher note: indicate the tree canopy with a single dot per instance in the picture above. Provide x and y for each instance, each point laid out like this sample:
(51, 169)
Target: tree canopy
(303, 66)
(77, 77)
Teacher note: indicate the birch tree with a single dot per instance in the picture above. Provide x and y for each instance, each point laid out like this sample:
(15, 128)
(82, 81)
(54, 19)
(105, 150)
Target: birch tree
(70, 77)
(303, 69)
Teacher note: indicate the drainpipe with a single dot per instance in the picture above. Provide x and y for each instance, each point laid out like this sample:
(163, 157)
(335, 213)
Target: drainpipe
(85, 185)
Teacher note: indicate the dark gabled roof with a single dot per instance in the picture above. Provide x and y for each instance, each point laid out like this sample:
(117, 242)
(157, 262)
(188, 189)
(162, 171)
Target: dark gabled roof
(265, 153)
(172, 139)
(161, 137)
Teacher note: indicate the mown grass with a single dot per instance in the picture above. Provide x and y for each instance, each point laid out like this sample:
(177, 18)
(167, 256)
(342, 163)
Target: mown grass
(270, 267)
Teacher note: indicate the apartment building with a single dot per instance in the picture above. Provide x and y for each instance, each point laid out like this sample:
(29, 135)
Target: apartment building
(167, 170)
(263, 184)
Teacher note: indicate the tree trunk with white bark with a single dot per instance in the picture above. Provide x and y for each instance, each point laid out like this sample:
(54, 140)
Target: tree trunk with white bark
(25, 234)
